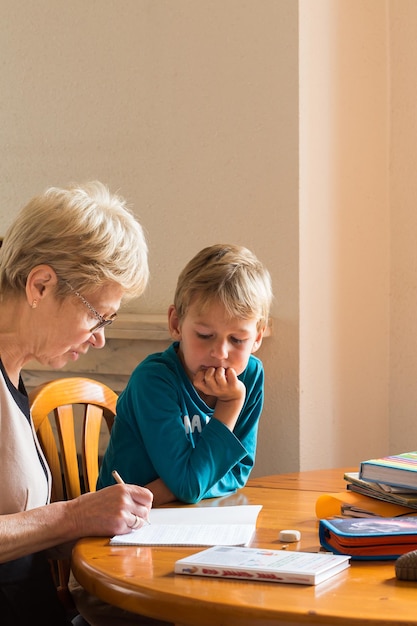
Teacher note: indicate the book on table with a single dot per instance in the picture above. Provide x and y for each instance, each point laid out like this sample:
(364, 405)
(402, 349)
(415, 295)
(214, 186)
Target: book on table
(260, 564)
(194, 526)
(349, 503)
(396, 495)
(369, 538)
(397, 470)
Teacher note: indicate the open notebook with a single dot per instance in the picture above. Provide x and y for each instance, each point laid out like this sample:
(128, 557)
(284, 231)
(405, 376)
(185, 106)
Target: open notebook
(195, 526)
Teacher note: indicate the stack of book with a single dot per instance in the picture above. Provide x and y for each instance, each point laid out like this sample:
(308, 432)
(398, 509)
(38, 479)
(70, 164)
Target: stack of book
(383, 487)
(390, 479)
(384, 493)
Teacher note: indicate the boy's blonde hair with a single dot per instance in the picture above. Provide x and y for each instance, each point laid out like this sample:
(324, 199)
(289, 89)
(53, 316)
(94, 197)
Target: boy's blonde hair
(229, 274)
(85, 233)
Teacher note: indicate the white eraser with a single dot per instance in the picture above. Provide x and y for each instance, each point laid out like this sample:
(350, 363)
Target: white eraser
(289, 535)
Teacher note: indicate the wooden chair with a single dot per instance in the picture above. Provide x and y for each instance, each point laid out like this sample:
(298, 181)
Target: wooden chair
(56, 402)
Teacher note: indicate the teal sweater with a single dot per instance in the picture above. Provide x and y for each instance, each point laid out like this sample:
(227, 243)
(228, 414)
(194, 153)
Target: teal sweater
(163, 429)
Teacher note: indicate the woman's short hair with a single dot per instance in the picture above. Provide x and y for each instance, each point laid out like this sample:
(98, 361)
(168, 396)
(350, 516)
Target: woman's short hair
(229, 274)
(85, 233)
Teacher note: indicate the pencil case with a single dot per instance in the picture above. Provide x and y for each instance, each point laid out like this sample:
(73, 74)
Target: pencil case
(369, 538)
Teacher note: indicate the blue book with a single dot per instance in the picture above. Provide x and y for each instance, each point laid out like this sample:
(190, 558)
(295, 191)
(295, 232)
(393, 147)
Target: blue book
(398, 470)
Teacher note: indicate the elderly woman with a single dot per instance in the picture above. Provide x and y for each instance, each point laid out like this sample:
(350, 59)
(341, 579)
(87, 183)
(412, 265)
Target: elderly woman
(66, 263)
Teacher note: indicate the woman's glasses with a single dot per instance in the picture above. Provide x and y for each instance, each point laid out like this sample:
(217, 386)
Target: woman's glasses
(102, 320)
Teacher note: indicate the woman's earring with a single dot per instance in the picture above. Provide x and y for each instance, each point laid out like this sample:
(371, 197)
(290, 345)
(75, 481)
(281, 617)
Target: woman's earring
(34, 304)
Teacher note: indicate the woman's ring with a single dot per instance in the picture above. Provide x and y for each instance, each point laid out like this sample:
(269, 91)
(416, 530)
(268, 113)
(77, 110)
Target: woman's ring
(136, 523)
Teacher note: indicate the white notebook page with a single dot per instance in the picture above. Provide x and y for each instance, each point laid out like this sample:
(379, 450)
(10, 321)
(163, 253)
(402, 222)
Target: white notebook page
(195, 526)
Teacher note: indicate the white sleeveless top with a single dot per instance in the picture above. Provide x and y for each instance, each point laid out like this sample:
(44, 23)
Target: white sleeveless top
(25, 475)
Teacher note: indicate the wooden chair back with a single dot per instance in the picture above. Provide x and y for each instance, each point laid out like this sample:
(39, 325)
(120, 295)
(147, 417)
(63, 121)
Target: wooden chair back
(74, 468)
(57, 400)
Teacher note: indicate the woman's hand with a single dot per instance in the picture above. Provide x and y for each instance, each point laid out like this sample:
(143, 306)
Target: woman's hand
(107, 512)
(114, 510)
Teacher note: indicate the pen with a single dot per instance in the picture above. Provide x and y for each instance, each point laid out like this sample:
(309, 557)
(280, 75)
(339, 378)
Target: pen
(120, 480)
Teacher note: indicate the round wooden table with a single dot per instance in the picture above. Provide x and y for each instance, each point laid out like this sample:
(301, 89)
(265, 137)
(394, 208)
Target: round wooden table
(142, 579)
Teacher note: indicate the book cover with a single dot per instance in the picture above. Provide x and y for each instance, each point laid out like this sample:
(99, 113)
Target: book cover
(194, 526)
(279, 566)
(369, 538)
(351, 504)
(405, 498)
(398, 470)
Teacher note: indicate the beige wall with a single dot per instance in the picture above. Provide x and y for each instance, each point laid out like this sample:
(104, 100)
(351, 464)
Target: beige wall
(344, 231)
(190, 109)
(285, 125)
(403, 189)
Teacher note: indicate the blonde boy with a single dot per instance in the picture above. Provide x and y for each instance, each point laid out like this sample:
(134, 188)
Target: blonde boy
(187, 422)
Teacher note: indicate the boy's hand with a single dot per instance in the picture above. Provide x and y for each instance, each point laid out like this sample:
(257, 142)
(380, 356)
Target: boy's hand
(224, 385)
(221, 383)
